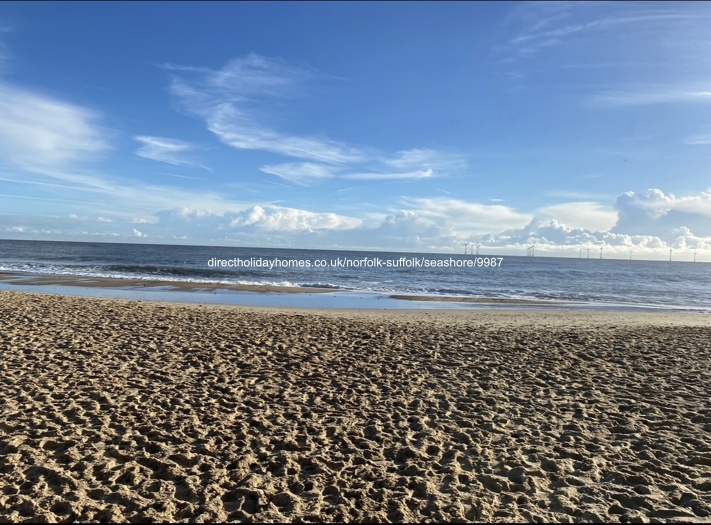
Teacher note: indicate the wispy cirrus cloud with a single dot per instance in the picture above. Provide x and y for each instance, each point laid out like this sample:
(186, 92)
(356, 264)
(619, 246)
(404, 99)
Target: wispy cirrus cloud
(38, 131)
(51, 145)
(413, 164)
(301, 173)
(426, 158)
(699, 139)
(233, 103)
(235, 128)
(171, 151)
(4, 49)
(649, 96)
(407, 175)
(548, 24)
(621, 39)
(228, 99)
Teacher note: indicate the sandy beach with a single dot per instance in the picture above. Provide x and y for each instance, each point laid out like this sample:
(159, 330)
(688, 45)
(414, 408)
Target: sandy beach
(138, 411)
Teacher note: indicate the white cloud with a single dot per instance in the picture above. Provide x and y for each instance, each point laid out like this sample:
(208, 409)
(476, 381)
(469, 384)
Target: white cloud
(415, 164)
(467, 217)
(302, 173)
(37, 131)
(579, 195)
(700, 139)
(4, 51)
(585, 214)
(426, 158)
(649, 96)
(235, 129)
(444, 224)
(648, 224)
(277, 218)
(170, 151)
(143, 220)
(433, 224)
(224, 97)
(252, 76)
(657, 213)
(546, 24)
(550, 235)
(412, 175)
(231, 102)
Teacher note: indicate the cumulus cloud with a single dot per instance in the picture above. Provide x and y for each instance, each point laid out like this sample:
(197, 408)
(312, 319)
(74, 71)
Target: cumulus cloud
(432, 224)
(205, 223)
(277, 218)
(651, 223)
(657, 213)
(550, 236)
(435, 224)
(569, 229)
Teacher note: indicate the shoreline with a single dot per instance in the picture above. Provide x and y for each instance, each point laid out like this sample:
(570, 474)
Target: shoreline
(115, 282)
(185, 292)
(119, 411)
(513, 316)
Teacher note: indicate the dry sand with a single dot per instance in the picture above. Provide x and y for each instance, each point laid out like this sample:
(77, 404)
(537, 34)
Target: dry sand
(134, 411)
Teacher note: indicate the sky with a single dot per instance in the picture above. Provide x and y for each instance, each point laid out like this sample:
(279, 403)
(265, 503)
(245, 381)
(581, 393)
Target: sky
(398, 126)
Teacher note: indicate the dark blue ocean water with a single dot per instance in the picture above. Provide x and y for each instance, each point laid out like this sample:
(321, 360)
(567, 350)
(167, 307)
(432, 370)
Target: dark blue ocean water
(684, 285)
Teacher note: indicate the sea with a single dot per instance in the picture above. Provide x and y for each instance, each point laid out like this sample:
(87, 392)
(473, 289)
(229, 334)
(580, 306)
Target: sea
(361, 279)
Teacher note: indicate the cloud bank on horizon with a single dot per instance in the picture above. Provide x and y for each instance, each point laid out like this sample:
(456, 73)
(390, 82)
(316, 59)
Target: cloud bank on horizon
(428, 127)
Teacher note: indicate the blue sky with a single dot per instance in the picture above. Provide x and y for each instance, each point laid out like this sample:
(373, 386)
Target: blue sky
(399, 126)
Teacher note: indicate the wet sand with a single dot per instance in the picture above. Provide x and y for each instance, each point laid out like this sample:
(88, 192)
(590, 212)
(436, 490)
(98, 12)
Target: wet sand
(136, 411)
(186, 286)
(482, 300)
